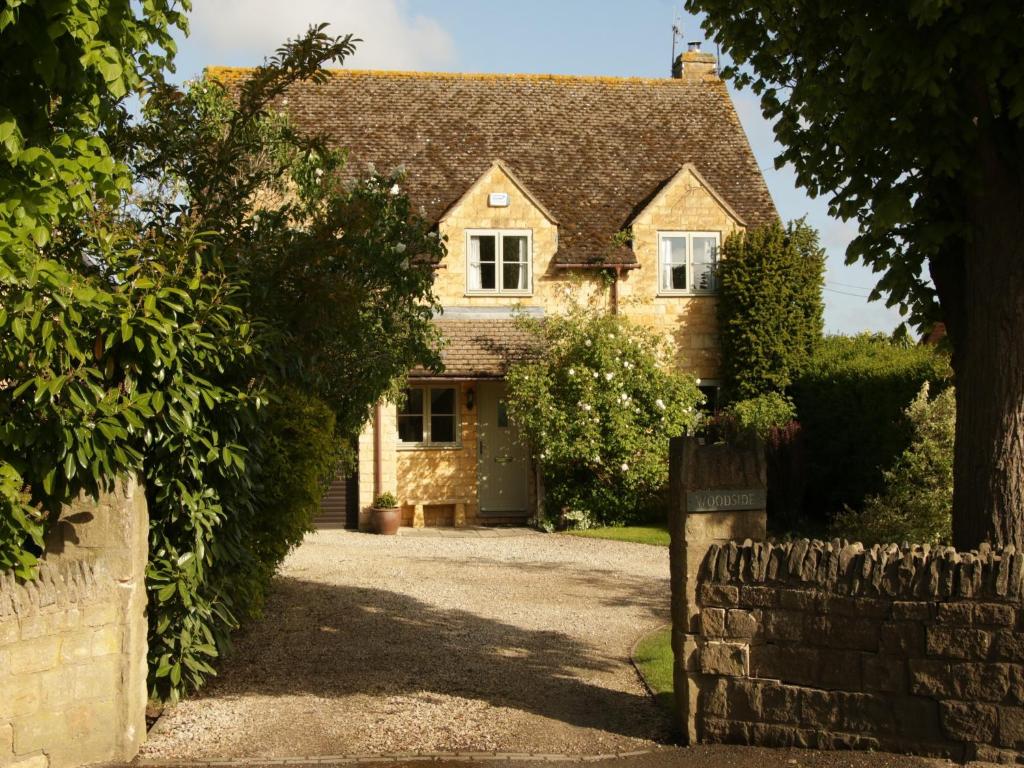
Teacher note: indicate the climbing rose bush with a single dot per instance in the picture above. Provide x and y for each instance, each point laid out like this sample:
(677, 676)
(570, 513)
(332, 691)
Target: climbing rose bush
(597, 404)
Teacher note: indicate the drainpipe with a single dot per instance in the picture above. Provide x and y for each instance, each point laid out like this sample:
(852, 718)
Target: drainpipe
(378, 454)
(615, 291)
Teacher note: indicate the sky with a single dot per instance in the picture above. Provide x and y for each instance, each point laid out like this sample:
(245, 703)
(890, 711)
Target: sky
(620, 38)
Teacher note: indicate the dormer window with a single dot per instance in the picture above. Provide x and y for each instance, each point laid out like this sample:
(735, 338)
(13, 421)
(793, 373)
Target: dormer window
(687, 262)
(499, 262)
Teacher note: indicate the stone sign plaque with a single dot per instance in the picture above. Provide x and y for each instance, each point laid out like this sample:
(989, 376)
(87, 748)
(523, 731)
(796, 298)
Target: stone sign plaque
(725, 500)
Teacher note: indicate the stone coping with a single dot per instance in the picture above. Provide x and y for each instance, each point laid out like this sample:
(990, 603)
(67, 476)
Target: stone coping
(56, 585)
(890, 570)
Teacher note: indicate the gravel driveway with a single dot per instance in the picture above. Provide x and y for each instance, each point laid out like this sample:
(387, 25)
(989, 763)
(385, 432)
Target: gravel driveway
(376, 644)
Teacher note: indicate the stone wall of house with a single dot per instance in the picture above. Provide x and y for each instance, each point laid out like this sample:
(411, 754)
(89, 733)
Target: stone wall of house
(388, 415)
(553, 288)
(73, 641)
(829, 645)
(690, 322)
(441, 474)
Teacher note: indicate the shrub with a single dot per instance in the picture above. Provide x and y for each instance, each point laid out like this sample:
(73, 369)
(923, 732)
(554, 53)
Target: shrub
(316, 268)
(917, 503)
(770, 308)
(299, 457)
(194, 303)
(851, 401)
(762, 414)
(598, 408)
(786, 456)
(770, 418)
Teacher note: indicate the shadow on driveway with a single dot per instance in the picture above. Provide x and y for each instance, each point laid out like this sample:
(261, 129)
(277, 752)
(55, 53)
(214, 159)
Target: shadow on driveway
(334, 641)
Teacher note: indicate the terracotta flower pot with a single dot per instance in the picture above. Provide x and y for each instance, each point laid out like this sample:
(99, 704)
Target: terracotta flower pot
(386, 520)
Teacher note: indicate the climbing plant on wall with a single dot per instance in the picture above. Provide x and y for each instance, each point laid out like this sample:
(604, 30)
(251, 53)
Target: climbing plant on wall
(597, 405)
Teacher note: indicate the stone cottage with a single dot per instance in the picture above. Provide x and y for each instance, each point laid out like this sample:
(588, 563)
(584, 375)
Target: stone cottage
(614, 192)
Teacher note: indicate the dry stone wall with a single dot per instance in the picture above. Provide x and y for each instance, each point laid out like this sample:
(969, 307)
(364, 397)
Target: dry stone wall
(73, 641)
(827, 644)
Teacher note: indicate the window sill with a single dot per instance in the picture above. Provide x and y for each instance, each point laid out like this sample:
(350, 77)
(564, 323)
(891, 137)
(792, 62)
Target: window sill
(429, 446)
(500, 294)
(685, 294)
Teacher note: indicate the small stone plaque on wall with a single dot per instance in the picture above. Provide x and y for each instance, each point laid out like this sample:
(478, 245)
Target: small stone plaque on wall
(498, 199)
(725, 500)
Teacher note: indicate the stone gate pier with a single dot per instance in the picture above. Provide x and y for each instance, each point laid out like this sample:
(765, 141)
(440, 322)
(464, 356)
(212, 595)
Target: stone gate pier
(73, 640)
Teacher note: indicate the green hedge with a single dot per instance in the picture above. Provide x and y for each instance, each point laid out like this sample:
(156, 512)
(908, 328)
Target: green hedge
(851, 403)
(770, 310)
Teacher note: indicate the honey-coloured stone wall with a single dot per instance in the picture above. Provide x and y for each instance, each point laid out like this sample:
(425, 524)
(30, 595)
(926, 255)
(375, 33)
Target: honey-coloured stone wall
(553, 289)
(685, 204)
(73, 641)
(441, 474)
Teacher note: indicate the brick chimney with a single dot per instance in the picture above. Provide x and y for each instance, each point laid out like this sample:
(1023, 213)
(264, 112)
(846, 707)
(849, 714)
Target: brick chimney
(694, 64)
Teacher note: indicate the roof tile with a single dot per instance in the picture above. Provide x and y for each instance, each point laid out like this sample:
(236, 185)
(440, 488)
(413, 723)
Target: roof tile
(479, 348)
(592, 149)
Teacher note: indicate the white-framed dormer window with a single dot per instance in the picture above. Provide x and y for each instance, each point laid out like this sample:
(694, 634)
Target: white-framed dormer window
(429, 417)
(499, 261)
(687, 262)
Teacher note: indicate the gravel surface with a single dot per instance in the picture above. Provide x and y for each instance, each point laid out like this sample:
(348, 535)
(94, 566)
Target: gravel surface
(376, 644)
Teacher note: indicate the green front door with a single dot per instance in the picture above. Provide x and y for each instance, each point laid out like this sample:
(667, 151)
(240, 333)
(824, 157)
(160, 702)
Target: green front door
(502, 461)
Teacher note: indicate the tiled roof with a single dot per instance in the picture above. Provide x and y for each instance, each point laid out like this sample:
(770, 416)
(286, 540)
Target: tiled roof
(479, 348)
(594, 150)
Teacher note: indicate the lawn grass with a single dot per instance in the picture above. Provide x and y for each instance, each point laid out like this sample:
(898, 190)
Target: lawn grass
(653, 655)
(656, 535)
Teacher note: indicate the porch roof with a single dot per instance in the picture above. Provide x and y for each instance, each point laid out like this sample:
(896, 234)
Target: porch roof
(478, 348)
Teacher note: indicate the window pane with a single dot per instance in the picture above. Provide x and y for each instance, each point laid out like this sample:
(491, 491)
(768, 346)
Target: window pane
(513, 248)
(710, 392)
(705, 250)
(705, 254)
(486, 247)
(411, 402)
(482, 260)
(502, 413)
(673, 250)
(674, 277)
(410, 429)
(513, 277)
(673, 260)
(442, 429)
(515, 274)
(442, 400)
(487, 274)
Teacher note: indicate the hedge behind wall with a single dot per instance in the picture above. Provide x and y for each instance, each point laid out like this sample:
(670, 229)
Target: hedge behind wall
(850, 402)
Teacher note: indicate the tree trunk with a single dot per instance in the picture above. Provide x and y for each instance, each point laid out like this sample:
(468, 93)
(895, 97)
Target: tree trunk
(981, 290)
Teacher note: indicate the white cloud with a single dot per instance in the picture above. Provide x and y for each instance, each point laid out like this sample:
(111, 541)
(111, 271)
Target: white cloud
(242, 32)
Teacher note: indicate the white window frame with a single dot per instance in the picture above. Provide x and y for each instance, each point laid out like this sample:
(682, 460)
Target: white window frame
(689, 235)
(499, 289)
(427, 442)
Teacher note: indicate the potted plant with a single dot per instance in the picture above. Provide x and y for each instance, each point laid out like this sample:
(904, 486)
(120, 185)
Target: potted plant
(385, 515)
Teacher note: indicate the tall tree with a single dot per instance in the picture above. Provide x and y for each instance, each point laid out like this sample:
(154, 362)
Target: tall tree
(909, 116)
